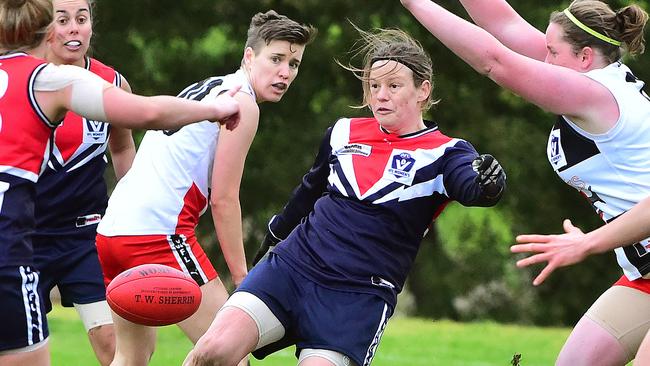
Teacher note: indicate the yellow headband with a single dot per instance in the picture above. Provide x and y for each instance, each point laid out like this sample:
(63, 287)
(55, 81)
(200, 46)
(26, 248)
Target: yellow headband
(585, 28)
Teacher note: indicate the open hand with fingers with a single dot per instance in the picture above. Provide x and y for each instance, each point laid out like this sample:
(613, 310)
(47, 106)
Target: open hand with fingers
(557, 250)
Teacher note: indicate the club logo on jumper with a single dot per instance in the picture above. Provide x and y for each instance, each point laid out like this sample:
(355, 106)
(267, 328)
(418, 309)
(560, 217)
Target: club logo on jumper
(554, 150)
(95, 132)
(355, 149)
(400, 167)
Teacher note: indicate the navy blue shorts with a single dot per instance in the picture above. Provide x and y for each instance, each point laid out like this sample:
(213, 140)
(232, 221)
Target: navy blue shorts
(314, 316)
(70, 263)
(22, 313)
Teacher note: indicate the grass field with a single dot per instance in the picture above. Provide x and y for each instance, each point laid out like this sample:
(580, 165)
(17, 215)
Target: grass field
(407, 341)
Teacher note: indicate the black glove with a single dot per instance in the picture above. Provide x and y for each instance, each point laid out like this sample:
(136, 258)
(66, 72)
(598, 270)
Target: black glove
(267, 244)
(491, 176)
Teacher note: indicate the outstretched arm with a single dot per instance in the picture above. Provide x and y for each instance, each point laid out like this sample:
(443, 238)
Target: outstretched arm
(65, 87)
(557, 89)
(574, 246)
(167, 112)
(472, 179)
(503, 22)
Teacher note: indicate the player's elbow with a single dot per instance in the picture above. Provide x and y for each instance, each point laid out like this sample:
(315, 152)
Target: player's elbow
(223, 202)
(490, 63)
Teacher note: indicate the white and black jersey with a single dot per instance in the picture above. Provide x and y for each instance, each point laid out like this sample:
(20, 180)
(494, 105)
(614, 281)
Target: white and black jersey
(167, 188)
(612, 170)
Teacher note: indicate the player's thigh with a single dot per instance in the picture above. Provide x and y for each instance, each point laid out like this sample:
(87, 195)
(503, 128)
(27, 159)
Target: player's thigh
(643, 354)
(624, 313)
(34, 355)
(133, 340)
(83, 281)
(95, 314)
(69, 262)
(269, 328)
(213, 296)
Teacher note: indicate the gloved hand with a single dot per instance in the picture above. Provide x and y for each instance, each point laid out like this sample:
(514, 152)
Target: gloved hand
(267, 244)
(491, 176)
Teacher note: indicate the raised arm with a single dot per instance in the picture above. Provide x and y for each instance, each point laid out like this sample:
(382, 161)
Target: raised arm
(557, 89)
(574, 246)
(503, 22)
(227, 172)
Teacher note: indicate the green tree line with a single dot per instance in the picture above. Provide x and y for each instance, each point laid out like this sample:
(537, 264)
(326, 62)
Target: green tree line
(464, 270)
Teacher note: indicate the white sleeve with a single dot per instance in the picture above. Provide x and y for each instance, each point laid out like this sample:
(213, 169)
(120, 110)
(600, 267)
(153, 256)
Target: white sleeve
(87, 97)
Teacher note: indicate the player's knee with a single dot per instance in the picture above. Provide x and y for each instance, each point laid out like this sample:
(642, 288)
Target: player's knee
(210, 350)
(103, 336)
(199, 357)
(102, 339)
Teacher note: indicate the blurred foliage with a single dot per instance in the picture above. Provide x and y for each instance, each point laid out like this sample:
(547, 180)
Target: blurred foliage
(464, 269)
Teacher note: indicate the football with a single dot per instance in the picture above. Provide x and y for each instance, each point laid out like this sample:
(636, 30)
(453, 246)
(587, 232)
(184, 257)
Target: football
(154, 295)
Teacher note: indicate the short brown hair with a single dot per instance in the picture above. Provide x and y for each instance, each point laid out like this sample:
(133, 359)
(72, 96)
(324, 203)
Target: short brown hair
(271, 26)
(625, 25)
(24, 23)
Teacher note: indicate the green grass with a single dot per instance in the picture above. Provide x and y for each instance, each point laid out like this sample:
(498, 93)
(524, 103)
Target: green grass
(407, 341)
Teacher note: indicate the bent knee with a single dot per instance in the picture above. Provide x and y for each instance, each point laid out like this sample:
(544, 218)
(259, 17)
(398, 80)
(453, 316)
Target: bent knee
(204, 355)
(219, 348)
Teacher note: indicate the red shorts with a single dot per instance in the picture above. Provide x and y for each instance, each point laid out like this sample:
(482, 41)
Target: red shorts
(640, 284)
(119, 253)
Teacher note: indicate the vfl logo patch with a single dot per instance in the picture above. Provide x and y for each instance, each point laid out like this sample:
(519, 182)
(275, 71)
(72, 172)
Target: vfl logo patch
(95, 132)
(355, 149)
(400, 167)
(554, 150)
